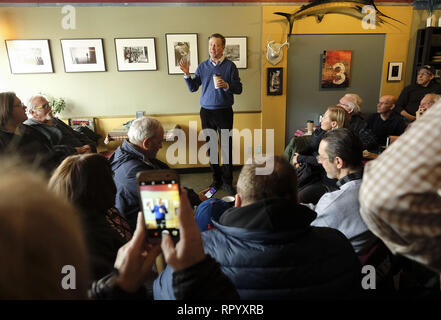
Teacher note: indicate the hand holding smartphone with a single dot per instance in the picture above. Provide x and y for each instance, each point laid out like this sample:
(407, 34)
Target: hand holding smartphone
(211, 191)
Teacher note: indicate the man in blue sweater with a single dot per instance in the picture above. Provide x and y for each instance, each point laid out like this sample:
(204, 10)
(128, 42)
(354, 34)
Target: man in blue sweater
(216, 104)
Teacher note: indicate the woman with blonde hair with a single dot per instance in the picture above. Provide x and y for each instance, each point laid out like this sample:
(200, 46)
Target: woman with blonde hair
(42, 248)
(86, 180)
(312, 179)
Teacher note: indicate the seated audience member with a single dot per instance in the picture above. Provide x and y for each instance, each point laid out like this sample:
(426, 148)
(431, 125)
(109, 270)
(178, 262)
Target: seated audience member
(409, 99)
(400, 200)
(196, 274)
(340, 154)
(429, 100)
(87, 182)
(351, 102)
(311, 178)
(20, 139)
(136, 154)
(40, 240)
(64, 139)
(385, 122)
(266, 246)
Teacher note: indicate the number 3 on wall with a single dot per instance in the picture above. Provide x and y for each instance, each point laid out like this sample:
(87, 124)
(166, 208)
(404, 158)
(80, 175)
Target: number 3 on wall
(340, 75)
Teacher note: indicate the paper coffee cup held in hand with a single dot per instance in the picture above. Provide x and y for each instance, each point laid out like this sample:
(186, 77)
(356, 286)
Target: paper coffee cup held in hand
(215, 78)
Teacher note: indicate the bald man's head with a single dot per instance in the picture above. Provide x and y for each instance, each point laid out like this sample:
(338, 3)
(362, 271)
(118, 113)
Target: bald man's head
(386, 104)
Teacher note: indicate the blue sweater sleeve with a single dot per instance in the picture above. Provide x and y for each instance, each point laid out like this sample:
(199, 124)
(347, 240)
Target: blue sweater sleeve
(234, 81)
(193, 84)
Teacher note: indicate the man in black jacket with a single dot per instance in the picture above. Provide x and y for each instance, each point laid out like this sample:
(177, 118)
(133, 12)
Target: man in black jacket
(64, 139)
(410, 97)
(385, 122)
(351, 102)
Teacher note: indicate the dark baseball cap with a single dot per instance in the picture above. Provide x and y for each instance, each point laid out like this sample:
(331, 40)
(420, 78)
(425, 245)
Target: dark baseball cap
(428, 68)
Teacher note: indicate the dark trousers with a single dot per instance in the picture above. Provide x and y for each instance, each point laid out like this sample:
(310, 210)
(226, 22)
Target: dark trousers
(217, 120)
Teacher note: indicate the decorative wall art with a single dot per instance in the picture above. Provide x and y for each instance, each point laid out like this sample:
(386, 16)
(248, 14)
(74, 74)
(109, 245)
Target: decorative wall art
(336, 69)
(29, 56)
(182, 46)
(394, 72)
(135, 54)
(274, 81)
(236, 51)
(83, 55)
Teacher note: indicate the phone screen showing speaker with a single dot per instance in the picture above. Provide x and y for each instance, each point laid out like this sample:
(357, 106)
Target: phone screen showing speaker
(160, 206)
(210, 192)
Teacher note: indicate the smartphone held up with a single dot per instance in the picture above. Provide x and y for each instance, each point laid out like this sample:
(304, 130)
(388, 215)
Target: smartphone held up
(159, 194)
(211, 191)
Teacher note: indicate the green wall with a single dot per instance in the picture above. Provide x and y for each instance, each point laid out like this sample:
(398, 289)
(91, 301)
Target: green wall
(114, 93)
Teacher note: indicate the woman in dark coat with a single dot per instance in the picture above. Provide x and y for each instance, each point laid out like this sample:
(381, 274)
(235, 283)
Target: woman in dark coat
(87, 181)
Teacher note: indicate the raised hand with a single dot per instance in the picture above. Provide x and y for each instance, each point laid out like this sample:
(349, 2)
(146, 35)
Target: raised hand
(185, 67)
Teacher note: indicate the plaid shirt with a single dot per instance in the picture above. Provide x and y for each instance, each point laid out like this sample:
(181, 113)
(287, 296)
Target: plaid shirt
(400, 198)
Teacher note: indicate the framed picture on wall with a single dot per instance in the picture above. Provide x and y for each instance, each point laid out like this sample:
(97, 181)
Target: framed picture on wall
(274, 81)
(336, 69)
(29, 56)
(236, 51)
(83, 55)
(181, 46)
(394, 71)
(135, 54)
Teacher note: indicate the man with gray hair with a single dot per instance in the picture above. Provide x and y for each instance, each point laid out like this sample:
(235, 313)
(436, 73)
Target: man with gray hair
(136, 154)
(427, 101)
(65, 140)
(351, 102)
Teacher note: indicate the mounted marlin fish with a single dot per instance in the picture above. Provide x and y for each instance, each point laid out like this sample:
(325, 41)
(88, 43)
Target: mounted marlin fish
(320, 8)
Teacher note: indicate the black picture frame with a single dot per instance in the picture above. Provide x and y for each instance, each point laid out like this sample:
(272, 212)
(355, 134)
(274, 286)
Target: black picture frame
(185, 42)
(29, 56)
(274, 81)
(145, 48)
(83, 55)
(236, 51)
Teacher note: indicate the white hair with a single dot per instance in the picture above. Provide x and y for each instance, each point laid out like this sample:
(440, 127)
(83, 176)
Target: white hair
(31, 105)
(355, 105)
(435, 97)
(143, 128)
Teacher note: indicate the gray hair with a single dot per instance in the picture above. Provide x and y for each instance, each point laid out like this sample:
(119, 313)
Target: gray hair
(31, 106)
(435, 97)
(142, 129)
(356, 101)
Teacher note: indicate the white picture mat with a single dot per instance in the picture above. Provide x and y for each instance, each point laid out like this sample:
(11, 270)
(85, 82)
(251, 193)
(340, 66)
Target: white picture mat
(242, 42)
(68, 44)
(22, 55)
(145, 42)
(171, 39)
(400, 71)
